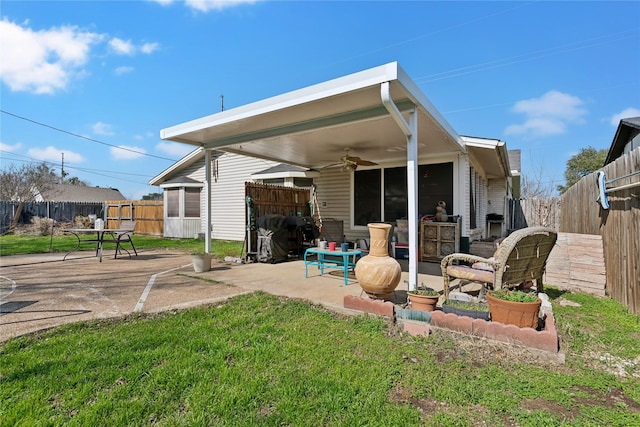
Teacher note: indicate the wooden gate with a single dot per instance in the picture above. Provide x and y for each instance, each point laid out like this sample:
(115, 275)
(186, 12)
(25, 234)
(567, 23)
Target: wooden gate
(148, 214)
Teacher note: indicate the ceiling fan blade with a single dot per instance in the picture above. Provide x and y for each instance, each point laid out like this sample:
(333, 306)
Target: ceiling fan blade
(360, 162)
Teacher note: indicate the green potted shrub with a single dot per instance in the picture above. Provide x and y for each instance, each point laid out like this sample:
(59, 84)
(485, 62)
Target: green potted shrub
(423, 299)
(475, 310)
(201, 260)
(514, 307)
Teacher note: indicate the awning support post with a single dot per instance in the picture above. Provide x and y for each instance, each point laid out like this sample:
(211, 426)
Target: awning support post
(207, 189)
(411, 131)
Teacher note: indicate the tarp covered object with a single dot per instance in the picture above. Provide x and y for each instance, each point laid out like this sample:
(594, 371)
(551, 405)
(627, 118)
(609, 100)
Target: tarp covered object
(273, 238)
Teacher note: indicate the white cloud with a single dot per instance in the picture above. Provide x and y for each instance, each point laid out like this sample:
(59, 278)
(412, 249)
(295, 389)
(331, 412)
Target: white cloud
(123, 70)
(53, 154)
(548, 115)
(100, 128)
(126, 152)
(10, 148)
(149, 47)
(43, 62)
(175, 149)
(122, 47)
(624, 114)
(207, 5)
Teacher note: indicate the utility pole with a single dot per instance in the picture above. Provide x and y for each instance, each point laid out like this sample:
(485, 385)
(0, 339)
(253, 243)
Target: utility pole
(63, 173)
(221, 102)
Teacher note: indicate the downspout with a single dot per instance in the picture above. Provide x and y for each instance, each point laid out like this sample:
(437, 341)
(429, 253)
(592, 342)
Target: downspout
(411, 132)
(207, 189)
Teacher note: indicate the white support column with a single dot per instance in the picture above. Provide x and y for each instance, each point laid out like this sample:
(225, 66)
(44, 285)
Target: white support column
(411, 131)
(207, 189)
(412, 197)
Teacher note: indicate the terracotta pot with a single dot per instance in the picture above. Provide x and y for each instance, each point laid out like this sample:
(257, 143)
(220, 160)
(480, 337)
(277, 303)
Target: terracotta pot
(378, 273)
(423, 302)
(520, 314)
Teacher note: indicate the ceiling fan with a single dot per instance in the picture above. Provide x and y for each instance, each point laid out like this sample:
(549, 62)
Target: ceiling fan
(351, 162)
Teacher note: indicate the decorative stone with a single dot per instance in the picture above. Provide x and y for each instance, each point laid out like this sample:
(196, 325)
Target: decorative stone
(377, 273)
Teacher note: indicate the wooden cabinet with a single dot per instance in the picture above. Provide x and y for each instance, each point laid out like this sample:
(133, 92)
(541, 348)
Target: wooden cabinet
(438, 239)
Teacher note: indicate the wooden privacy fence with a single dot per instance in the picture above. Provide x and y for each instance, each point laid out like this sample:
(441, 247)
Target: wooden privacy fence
(58, 211)
(619, 226)
(148, 214)
(534, 212)
(266, 199)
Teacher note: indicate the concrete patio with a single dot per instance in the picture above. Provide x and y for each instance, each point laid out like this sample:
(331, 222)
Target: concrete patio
(42, 291)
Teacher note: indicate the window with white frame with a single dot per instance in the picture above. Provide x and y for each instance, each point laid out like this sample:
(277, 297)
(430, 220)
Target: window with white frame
(381, 194)
(183, 202)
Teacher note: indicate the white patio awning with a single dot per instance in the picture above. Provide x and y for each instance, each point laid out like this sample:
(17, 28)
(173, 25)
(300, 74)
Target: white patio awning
(311, 127)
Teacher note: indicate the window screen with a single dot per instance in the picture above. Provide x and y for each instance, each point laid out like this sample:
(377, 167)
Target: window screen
(366, 197)
(173, 202)
(192, 202)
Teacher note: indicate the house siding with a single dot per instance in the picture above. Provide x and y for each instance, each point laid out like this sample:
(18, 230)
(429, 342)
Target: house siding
(228, 207)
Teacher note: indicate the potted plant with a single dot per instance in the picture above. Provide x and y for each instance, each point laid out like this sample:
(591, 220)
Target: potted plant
(201, 260)
(423, 299)
(475, 310)
(514, 307)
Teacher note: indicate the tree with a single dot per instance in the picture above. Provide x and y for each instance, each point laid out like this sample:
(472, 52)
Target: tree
(152, 196)
(588, 160)
(24, 183)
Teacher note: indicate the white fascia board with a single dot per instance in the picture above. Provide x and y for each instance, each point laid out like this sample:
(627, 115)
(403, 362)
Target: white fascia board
(289, 174)
(186, 160)
(500, 147)
(420, 100)
(473, 141)
(349, 83)
(182, 184)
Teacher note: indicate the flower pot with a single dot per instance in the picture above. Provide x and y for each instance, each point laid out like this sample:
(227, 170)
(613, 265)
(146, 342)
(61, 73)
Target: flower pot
(377, 273)
(462, 308)
(201, 263)
(520, 314)
(423, 302)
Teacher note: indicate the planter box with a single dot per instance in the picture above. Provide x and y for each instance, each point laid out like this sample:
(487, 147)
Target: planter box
(468, 311)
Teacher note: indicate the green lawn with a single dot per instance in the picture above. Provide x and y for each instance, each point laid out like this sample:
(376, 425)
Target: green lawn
(259, 359)
(16, 245)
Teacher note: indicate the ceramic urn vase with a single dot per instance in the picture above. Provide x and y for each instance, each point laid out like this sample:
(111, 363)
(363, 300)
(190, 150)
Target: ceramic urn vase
(377, 272)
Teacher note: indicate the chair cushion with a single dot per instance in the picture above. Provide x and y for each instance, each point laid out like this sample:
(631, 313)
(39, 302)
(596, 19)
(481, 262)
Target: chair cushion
(468, 273)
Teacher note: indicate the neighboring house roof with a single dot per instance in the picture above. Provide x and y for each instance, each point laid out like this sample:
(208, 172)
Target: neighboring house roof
(79, 193)
(628, 131)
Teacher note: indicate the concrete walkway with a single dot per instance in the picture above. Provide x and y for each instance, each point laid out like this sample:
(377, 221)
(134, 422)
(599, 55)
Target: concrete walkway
(42, 291)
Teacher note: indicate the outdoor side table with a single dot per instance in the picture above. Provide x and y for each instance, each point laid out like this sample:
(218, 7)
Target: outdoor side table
(331, 259)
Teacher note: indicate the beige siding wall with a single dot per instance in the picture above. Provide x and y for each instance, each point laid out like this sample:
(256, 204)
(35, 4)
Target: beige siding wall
(227, 195)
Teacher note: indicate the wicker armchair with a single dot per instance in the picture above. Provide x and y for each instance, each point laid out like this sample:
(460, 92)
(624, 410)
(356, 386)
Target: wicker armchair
(521, 257)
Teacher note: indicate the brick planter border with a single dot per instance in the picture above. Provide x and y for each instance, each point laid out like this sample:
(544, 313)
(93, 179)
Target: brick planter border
(545, 340)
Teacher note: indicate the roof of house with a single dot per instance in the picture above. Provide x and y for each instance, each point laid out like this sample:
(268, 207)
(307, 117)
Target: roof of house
(284, 170)
(80, 193)
(627, 130)
(183, 181)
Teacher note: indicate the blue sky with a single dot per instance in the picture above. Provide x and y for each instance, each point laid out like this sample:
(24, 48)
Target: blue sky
(85, 77)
